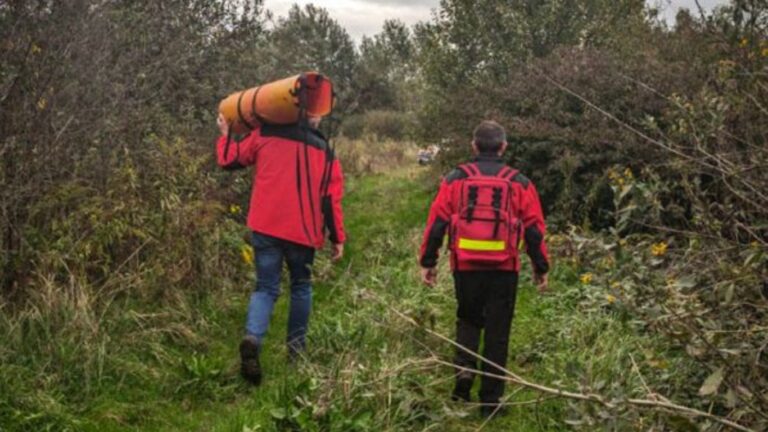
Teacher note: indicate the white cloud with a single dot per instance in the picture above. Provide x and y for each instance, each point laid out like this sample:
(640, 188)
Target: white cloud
(366, 17)
(669, 8)
(363, 17)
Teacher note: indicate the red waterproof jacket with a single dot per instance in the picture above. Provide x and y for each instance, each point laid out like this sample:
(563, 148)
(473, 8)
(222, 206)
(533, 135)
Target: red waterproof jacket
(297, 183)
(525, 200)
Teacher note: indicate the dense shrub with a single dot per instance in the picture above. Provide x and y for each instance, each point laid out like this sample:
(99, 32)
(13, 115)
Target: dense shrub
(372, 155)
(382, 124)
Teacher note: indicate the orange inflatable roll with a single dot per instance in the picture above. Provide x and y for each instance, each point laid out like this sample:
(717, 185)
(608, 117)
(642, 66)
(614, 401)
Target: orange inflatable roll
(278, 102)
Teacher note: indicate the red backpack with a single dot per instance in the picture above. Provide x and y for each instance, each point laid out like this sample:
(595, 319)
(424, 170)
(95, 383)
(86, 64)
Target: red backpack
(485, 231)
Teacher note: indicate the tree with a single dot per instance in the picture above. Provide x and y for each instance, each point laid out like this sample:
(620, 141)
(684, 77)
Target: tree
(386, 71)
(309, 39)
(83, 83)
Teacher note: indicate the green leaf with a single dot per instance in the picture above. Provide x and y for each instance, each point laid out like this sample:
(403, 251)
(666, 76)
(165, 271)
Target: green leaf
(278, 413)
(712, 383)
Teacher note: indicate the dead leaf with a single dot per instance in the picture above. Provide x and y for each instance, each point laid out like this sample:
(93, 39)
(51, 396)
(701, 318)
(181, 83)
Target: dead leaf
(712, 383)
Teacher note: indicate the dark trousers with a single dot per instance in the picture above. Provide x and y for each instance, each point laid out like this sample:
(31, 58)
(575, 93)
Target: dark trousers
(486, 301)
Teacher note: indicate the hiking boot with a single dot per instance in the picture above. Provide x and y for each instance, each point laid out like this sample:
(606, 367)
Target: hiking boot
(250, 368)
(460, 396)
(462, 388)
(492, 410)
(295, 352)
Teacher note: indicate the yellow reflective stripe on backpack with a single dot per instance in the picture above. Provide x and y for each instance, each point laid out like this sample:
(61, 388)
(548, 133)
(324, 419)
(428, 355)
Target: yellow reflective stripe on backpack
(482, 245)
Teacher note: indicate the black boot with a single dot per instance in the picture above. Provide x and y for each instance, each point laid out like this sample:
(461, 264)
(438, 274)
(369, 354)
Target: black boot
(488, 410)
(463, 386)
(250, 368)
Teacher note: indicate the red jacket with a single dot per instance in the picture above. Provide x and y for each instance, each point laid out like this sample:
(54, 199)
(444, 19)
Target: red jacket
(524, 198)
(297, 183)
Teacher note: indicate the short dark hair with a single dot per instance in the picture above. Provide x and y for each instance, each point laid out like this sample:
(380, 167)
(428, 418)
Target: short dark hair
(489, 136)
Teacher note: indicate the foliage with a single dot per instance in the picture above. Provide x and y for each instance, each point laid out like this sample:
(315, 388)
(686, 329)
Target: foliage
(379, 124)
(124, 264)
(387, 75)
(310, 39)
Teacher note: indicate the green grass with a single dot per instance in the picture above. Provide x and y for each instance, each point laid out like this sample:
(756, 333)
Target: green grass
(365, 366)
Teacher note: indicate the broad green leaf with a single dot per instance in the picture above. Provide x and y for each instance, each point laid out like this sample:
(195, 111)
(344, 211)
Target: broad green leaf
(278, 413)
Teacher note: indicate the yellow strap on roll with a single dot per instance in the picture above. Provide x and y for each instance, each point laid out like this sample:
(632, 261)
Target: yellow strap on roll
(482, 245)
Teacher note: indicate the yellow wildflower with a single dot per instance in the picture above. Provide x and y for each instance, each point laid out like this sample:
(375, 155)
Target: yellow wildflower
(743, 42)
(628, 174)
(247, 253)
(35, 49)
(659, 249)
(610, 298)
(41, 104)
(586, 278)
(235, 209)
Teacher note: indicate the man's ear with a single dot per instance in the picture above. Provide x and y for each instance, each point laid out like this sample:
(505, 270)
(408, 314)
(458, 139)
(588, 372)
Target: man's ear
(503, 148)
(475, 151)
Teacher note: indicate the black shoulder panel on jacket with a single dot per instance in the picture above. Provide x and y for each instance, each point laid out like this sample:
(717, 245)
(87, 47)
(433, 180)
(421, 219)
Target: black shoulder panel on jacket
(456, 174)
(489, 168)
(296, 133)
(523, 180)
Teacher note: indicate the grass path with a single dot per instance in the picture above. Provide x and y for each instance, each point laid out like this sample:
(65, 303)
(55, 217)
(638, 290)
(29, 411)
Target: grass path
(366, 367)
(385, 215)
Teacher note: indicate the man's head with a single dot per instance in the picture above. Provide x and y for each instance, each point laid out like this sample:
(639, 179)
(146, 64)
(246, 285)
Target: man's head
(489, 138)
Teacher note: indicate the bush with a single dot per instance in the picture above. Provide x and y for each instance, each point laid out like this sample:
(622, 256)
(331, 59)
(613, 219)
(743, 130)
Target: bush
(370, 155)
(381, 124)
(119, 280)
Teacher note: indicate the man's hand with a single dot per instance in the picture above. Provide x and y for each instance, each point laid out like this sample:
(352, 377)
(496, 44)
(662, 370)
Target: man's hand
(337, 252)
(223, 125)
(541, 282)
(429, 276)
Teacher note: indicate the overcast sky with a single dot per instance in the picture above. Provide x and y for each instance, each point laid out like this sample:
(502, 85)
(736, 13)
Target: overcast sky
(365, 17)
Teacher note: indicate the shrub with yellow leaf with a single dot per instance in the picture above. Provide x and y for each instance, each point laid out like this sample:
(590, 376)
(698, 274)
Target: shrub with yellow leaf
(659, 249)
(246, 252)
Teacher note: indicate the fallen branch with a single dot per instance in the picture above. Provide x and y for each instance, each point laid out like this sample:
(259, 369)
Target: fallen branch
(661, 403)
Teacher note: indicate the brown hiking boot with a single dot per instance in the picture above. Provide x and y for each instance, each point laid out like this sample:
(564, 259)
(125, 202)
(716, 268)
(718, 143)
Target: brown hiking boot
(250, 368)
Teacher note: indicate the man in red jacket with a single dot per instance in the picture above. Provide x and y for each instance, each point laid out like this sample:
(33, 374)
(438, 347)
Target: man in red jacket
(488, 209)
(295, 202)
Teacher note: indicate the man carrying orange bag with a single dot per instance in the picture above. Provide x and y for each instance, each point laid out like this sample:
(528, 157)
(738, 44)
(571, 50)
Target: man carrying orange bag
(295, 203)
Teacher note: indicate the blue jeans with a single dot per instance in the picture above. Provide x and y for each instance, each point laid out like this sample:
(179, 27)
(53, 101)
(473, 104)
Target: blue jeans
(270, 252)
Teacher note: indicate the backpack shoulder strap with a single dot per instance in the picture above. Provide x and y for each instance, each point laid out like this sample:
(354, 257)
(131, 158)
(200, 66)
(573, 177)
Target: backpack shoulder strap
(503, 172)
(470, 169)
(507, 173)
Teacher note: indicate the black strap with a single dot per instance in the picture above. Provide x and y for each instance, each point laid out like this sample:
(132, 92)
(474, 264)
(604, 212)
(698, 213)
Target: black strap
(496, 204)
(472, 202)
(298, 189)
(229, 141)
(240, 112)
(259, 118)
(304, 126)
